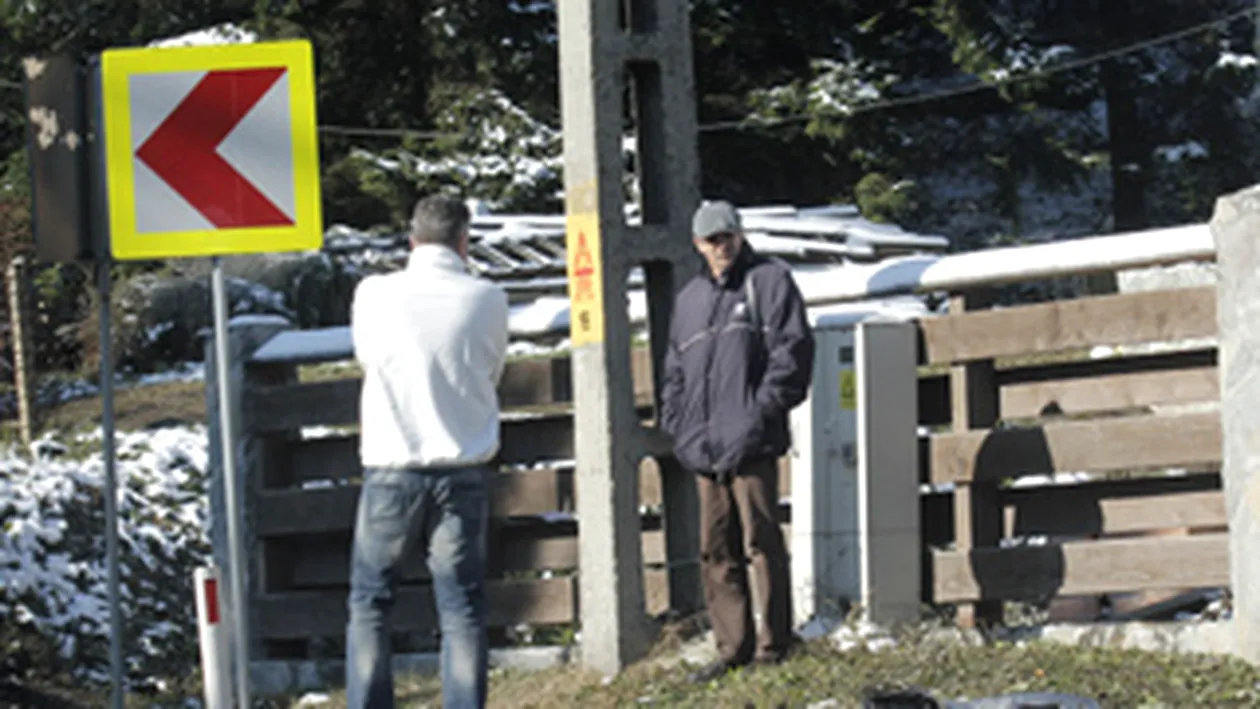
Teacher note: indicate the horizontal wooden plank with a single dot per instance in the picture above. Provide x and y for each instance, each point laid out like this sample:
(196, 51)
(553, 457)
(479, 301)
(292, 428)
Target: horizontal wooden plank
(1114, 392)
(526, 440)
(301, 615)
(1153, 316)
(1128, 443)
(1118, 507)
(1081, 568)
(1018, 380)
(324, 561)
(525, 384)
(334, 402)
(314, 459)
(536, 382)
(1025, 373)
(306, 614)
(295, 511)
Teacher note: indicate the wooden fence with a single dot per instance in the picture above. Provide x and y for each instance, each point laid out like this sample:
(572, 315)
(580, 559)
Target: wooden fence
(1145, 426)
(302, 493)
(1005, 392)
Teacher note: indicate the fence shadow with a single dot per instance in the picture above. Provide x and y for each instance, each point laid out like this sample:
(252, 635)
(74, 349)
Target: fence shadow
(1028, 564)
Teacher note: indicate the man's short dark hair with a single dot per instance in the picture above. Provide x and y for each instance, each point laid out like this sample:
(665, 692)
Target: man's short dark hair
(439, 219)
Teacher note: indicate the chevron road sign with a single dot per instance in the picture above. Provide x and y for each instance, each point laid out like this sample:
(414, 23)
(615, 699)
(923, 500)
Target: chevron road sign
(211, 150)
(208, 151)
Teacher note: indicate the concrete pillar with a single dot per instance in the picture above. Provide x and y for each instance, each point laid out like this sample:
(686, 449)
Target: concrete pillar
(1235, 227)
(888, 471)
(606, 47)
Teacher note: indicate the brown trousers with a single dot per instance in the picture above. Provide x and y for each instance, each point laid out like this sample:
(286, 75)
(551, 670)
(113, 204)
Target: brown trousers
(737, 516)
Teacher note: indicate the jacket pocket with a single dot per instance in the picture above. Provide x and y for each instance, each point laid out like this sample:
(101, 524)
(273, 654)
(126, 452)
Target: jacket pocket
(689, 449)
(741, 434)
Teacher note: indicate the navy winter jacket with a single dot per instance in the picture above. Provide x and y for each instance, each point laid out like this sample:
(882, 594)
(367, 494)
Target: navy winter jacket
(727, 390)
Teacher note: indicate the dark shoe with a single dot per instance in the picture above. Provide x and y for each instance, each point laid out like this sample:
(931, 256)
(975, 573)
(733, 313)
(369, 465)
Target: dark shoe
(770, 660)
(899, 699)
(793, 646)
(711, 671)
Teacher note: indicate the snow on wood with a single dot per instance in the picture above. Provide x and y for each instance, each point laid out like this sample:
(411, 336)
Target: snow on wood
(307, 346)
(926, 274)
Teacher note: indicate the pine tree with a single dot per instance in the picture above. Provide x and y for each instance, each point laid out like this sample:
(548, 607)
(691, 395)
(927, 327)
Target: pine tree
(1152, 96)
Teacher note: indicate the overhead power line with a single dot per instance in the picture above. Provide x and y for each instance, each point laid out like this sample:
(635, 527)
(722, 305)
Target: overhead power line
(385, 132)
(884, 104)
(1070, 65)
(879, 105)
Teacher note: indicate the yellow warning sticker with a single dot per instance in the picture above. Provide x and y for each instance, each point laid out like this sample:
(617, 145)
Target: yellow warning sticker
(586, 287)
(848, 389)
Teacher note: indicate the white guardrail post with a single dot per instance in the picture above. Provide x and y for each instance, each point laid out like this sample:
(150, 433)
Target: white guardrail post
(214, 636)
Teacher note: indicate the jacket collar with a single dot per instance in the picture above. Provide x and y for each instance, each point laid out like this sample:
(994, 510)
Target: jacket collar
(734, 275)
(434, 256)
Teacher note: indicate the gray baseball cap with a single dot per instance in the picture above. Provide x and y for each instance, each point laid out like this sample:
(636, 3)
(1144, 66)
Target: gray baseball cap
(715, 217)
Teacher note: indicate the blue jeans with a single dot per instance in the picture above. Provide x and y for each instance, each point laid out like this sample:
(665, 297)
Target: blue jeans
(447, 510)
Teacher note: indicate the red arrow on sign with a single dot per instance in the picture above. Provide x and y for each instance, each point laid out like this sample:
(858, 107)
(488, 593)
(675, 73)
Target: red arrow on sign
(183, 149)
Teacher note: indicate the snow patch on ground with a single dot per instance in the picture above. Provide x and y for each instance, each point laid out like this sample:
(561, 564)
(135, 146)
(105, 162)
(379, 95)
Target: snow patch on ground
(53, 574)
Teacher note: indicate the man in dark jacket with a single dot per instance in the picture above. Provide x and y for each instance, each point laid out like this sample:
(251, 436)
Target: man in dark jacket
(740, 357)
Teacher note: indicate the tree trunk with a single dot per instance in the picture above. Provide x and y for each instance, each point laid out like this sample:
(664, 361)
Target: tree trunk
(1129, 152)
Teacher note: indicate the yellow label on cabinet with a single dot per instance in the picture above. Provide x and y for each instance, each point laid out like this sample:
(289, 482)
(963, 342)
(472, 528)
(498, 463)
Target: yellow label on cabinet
(848, 389)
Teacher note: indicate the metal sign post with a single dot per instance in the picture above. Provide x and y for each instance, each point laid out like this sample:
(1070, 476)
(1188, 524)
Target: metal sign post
(111, 486)
(231, 485)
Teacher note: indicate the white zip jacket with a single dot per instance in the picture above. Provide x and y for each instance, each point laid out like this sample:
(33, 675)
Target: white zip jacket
(432, 340)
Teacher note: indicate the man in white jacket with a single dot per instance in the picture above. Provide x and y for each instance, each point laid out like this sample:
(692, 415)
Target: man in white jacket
(431, 340)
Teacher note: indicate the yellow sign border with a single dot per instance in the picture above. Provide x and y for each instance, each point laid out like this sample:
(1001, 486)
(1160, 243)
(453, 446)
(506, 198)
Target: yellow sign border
(119, 65)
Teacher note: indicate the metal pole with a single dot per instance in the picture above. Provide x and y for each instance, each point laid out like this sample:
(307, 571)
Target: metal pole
(111, 486)
(231, 491)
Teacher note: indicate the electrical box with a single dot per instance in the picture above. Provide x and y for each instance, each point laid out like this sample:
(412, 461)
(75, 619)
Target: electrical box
(854, 531)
